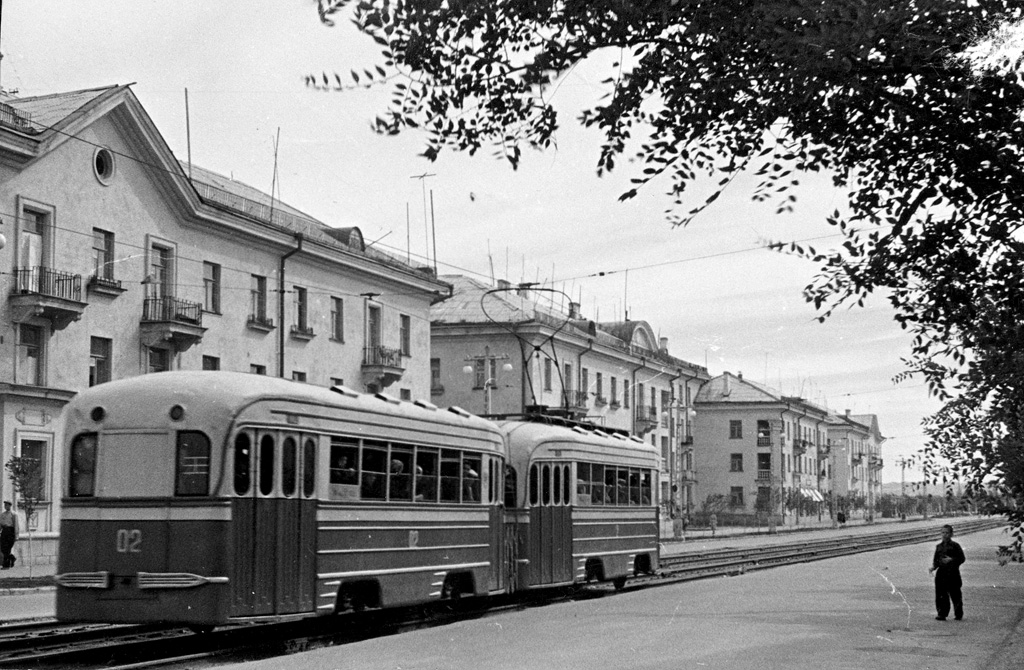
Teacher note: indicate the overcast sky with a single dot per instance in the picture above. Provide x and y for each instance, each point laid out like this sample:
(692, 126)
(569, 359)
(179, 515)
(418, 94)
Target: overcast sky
(719, 298)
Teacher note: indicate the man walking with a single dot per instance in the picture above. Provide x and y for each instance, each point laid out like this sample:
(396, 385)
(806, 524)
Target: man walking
(8, 535)
(946, 565)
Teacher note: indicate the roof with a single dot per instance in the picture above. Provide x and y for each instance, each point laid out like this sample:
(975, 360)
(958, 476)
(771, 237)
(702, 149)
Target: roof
(46, 111)
(729, 388)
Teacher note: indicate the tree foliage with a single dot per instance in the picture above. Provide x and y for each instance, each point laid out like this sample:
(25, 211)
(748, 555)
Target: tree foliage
(872, 93)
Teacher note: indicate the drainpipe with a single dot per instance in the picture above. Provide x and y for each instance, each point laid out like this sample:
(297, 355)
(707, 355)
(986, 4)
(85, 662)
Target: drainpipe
(280, 305)
(636, 399)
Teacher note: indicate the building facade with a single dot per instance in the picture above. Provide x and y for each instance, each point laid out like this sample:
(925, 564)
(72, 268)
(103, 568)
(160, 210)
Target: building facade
(759, 455)
(856, 458)
(120, 261)
(501, 350)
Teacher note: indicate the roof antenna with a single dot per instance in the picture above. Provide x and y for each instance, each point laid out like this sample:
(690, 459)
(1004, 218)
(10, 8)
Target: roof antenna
(188, 136)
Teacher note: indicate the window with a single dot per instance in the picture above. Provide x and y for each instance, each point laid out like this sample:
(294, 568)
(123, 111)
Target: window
(736, 496)
(298, 376)
(257, 369)
(435, 376)
(103, 165)
(614, 392)
(567, 378)
(289, 466)
(405, 394)
(243, 463)
(625, 393)
(192, 476)
(258, 299)
(373, 327)
(344, 459)
(735, 430)
(337, 381)
(547, 374)
(159, 279)
(479, 373)
(764, 462)
(308, 467)
(301, 309)
(211, 363)
(30, 355)
(99, 360)
(159, 360)
(665, 454)
(405, 335)
(103, 255)
(736, 463)
(337, 319)
(35, 450)
(585, 380)
(82, 475)
(599, 386)
(211, 287)
(267, 465)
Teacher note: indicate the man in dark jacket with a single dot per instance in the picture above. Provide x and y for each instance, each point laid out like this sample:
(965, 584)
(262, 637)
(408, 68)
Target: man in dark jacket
(946, 565)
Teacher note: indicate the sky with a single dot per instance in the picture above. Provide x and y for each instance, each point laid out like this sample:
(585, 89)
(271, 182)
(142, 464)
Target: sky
(720, 298)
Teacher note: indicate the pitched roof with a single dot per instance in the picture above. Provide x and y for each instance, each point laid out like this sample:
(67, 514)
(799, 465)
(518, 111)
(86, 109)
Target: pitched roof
(46, 111)
(730, 388)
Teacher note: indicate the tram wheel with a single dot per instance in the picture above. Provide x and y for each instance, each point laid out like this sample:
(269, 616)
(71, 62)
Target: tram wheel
(619, 583)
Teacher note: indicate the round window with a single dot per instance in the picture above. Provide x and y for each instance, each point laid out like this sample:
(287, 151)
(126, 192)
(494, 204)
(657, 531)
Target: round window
(103, 165)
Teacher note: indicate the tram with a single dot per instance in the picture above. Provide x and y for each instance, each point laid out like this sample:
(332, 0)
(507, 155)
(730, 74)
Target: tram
(203, 498)
(583, 507)
(207, 497)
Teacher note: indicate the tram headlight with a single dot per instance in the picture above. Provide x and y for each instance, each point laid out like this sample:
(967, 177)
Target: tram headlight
(97, 414)
(177, 413)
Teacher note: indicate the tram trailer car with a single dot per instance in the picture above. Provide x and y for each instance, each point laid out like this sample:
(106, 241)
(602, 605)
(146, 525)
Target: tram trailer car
(203, 498)
(581, 504)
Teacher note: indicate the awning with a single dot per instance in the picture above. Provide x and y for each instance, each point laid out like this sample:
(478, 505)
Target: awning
(812, 494)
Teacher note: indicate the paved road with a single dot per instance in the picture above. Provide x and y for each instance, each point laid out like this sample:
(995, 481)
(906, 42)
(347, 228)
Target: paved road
(872, 610)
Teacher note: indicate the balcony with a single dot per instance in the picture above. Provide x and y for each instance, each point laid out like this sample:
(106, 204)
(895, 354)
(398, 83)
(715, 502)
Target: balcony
(688, 476)
(382, 366)
(764, 475)
(875, 462)
(173, 321)
(107, 286)
(800, 446)
(646, 419)
(857, 459)
(260, 322)
(44, 292)
(600, 401)
(764, 440)
(577, 400)
(302, 332)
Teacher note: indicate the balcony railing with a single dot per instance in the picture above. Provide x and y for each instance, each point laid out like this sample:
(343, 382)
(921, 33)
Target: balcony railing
(260, 322)
(383, 356)
(302, 332)
(167, 308)
(764, 475)
(48, 282)
(764, 440)
(578, 399)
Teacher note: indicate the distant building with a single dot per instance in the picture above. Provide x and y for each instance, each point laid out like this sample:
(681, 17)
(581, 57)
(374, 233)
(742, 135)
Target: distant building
(759, 452)
(856, 458)
(122, 261)
(503, 350)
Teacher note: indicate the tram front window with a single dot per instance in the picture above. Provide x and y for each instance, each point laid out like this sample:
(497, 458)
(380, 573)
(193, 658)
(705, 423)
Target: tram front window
(192, 467)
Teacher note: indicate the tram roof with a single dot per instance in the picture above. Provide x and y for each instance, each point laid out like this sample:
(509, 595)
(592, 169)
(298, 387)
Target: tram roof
(578, 443)
(228, 392)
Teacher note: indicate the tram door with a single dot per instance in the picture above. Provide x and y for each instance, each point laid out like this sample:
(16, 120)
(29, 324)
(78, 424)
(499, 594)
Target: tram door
(274, 523)
(550, 524)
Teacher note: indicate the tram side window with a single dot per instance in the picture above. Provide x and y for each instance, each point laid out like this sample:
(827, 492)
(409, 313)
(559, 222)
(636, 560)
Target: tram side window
(308, 467)
(374, 472)
(399, 473)
(583, 483)
(598, 494)
(242, 461)
(566, 485)
(82, 482)
(645, 487)
(470, 478)
(634, 487)
(344, 457)
(534, 484)
(545, 484)
(426, 475)
(611, 488)
(556, 471)
(289, 466)
(511, 482)
(192, 471)
(267, 465)
(450, 475)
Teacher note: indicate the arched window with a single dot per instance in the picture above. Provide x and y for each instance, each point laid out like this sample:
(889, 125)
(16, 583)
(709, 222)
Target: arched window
(243, 463)
(267, 465)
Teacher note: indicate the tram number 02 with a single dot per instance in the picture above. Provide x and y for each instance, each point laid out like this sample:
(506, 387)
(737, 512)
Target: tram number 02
(129, 541)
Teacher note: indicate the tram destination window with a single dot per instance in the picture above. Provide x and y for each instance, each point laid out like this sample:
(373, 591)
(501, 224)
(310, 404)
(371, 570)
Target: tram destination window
(82, 476)
(192, 470)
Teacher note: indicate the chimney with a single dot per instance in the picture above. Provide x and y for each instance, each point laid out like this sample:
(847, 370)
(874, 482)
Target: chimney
(739, 375)
(574, 310)
(727, 389)
(663, 345)
(504, 284)
(847, 412)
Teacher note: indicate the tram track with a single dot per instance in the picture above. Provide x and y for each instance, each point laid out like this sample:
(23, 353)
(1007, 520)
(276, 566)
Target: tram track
(54, 645)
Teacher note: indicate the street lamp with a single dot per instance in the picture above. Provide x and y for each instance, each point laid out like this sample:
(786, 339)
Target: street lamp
(490, 372)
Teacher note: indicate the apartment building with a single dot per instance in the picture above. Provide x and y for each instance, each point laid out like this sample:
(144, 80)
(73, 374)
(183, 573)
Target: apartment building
(120, 261)
(765, 453)
(856, 458)
(503, 349)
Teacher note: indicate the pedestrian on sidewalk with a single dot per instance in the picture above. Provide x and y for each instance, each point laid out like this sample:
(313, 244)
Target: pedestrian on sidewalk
(8, 535)
(713, 522)
(946, 566)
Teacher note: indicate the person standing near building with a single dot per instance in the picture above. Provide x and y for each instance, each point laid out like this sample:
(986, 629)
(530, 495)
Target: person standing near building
(8, 534)
(946, 566)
